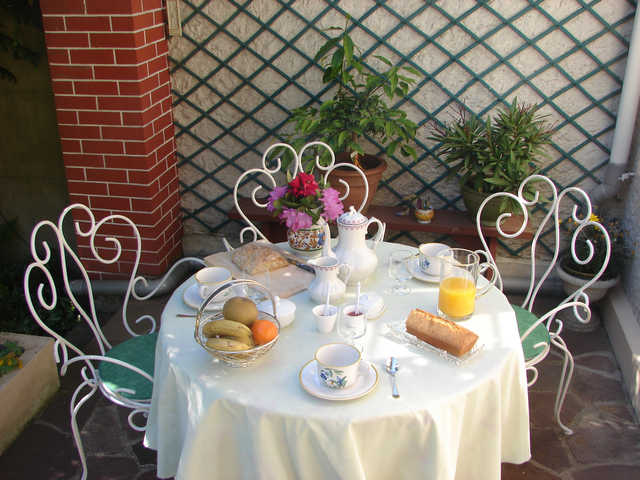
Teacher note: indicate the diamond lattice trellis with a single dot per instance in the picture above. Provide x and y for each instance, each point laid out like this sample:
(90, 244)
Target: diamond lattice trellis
(242, 66)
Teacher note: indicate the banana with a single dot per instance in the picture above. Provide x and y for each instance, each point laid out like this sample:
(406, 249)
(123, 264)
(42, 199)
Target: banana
(227, 344)
(228, 328)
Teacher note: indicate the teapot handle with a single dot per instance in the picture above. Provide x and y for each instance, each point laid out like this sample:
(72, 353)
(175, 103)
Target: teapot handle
(380, 233)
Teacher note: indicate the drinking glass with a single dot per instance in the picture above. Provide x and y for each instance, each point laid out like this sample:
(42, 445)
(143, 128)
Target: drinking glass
(458, 290)
(352, 325)
(398, 270)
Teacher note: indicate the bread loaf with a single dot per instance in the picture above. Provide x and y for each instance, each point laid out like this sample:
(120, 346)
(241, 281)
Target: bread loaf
(255, 258)
(440, 332)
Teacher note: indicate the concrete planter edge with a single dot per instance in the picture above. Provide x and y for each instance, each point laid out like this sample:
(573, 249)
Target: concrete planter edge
(23, 392)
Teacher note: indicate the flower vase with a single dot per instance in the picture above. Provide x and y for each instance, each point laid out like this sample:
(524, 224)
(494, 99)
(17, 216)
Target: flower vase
(306, 240)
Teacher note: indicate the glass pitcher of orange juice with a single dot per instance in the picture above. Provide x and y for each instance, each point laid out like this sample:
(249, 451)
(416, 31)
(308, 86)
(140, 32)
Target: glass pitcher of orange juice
(459, 273)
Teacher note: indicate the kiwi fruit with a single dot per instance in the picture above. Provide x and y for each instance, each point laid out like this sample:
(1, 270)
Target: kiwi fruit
(240, 309)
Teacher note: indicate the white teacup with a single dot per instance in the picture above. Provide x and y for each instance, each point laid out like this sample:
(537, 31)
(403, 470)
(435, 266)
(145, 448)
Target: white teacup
(325, 320)
(337, 365)
(210, 278)
(429, 261)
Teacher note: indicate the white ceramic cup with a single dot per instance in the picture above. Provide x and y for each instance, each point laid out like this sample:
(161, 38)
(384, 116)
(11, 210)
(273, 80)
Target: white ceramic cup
(337, 365)
(210, 278)
(325, 322)
(429, 261)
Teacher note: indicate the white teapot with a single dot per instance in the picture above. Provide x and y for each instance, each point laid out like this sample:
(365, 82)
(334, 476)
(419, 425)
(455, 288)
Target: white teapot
(352, 248)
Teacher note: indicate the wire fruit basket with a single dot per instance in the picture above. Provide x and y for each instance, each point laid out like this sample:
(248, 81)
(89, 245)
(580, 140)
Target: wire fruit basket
(238, 358)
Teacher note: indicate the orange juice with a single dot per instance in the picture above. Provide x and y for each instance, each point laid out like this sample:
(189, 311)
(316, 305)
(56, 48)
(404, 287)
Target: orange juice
(457, 297)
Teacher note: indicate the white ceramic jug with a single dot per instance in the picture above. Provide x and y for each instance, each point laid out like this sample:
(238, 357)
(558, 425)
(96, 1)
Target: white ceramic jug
(352, 248)
(327, 270)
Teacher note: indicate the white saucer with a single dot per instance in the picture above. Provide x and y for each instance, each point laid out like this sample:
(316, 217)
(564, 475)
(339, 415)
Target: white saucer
(414, 268)
(366, 382)
(193, 299)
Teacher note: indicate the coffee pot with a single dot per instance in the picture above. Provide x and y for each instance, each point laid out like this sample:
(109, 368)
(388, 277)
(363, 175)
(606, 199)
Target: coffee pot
(352, 248)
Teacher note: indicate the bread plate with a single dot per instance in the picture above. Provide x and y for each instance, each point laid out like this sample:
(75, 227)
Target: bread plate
(397, 332)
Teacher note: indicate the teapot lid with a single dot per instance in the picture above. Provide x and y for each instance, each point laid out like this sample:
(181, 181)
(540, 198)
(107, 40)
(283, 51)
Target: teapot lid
(352, 217)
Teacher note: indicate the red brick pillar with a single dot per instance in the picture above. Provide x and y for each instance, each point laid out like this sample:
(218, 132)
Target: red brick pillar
(108, 66)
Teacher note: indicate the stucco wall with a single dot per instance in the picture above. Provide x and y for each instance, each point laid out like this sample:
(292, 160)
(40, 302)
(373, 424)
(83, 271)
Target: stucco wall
(631, 221)
(241, 95)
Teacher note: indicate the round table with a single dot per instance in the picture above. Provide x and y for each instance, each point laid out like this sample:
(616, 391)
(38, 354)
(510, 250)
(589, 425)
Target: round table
(451, 421)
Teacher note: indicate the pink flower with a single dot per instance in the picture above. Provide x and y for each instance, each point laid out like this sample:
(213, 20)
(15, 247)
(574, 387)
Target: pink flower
(303, 185)
(295, 220)
(275, 194)
(332, 205)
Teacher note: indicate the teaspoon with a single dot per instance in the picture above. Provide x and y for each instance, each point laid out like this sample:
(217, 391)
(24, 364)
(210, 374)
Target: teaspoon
(392, 369)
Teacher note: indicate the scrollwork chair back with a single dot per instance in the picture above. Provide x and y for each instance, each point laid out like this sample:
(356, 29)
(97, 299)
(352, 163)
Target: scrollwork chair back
(538, 334)
(122, 373)
(271, 167)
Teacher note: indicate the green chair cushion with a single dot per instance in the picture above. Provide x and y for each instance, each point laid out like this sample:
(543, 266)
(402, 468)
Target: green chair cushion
(540, 334)
(139, 352)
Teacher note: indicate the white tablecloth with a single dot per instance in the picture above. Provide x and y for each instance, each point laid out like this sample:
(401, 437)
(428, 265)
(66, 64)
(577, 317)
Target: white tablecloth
(209, 420)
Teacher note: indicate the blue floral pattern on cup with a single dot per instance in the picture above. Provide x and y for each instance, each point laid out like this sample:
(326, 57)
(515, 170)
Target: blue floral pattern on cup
(333, 377)
(424, 264)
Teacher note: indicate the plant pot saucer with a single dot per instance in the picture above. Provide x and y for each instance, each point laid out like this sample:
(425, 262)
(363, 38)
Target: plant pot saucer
(570, 322)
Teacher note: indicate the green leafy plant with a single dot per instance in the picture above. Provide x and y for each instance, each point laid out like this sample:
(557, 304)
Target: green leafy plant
(14, 313)
(620, 251)
(14, 15)
(10, 353)
(359, 107)
(495, 155)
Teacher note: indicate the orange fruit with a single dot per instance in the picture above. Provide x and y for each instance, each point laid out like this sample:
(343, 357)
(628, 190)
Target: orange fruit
(263, 331)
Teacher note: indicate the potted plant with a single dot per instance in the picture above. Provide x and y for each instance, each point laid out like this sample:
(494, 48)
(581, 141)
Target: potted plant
(574, 275)
(495, 155)
(299, 205)
(358, 109)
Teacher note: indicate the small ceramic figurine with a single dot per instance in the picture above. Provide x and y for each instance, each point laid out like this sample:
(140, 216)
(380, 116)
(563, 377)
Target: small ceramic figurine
(423, 211)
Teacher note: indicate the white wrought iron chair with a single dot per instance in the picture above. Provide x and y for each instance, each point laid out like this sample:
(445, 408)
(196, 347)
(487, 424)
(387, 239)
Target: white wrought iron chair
(538, 334)
(123, 373)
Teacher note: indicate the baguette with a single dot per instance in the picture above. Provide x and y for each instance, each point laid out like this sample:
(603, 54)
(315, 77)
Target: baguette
(440, 332)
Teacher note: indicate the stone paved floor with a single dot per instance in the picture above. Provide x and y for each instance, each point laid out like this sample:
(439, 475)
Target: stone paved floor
(606, 443)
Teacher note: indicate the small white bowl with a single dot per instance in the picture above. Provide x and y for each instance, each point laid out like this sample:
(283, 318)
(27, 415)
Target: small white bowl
(286, 310)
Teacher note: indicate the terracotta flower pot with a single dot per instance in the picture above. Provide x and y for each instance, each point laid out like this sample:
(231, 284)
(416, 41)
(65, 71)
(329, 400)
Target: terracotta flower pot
(374, 167)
